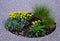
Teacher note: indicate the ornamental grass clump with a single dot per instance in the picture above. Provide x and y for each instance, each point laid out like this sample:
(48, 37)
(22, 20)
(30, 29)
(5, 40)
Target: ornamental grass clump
(17, 20)
(43, 13)
(36, 29)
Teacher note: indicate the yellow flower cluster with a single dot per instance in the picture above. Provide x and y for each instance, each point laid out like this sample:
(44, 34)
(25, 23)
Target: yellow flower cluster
(21, 14)
(34, 22)
(12, 15)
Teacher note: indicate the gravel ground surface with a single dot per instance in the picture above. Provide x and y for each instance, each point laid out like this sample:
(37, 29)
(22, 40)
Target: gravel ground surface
(7, 6)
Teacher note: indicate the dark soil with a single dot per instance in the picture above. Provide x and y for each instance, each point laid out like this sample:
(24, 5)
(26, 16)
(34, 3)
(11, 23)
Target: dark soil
(25, 29)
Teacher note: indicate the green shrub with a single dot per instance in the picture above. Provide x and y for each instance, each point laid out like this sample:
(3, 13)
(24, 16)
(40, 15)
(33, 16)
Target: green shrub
(14, 25)
(17, 20)
(36, 30)
(44, 13)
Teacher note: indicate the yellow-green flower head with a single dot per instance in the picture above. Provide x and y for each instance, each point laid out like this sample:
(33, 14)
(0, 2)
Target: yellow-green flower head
(14, 16)
(33, 22)
(10, 17)
(28, 14)
(39, 21)
(36, 22)
(25, 12)
(24, 16)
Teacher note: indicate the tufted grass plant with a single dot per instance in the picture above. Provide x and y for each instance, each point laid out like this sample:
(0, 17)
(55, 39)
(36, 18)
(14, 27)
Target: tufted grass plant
(44, 13)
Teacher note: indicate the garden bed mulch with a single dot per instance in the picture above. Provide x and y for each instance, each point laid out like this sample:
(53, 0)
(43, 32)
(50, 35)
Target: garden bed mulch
(25, 29)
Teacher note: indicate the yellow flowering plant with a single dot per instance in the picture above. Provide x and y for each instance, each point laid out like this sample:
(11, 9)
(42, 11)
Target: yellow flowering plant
(17, 20)
(37, 28)
(35, 22)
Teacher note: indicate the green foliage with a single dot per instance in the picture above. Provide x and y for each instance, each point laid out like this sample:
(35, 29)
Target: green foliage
(17, 20)
(40, 12)
(48, 22)
(43, 13)
(37, 30)
(14, 25)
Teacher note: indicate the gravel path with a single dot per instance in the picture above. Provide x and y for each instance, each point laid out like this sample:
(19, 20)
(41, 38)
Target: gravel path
(7, 6)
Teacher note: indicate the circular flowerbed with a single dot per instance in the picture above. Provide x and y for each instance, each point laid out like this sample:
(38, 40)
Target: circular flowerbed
(31, 25)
